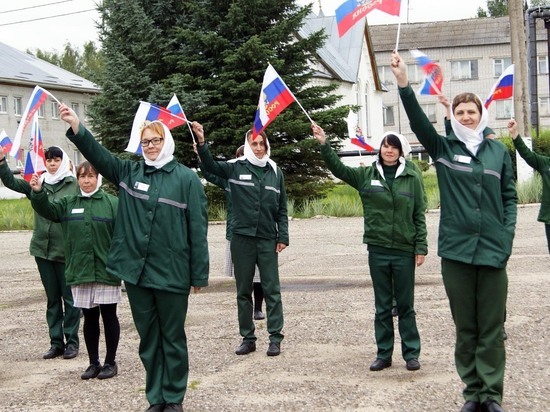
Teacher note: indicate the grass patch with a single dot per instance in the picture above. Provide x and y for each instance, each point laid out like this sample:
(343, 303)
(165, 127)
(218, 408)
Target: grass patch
(16, 214)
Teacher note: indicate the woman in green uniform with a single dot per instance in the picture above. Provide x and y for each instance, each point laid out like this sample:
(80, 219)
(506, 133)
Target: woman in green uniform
(476, 231)
(394, 206)
(541, 164)
(259, 228)
(47, 247)
(159, 249)
(88, 221)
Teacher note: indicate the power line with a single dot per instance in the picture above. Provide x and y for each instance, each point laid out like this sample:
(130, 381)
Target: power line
(35, 7)
(45, 18)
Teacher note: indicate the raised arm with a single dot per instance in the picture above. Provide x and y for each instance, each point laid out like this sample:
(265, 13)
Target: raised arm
(221, 169)
(41, 204)
(6, 175)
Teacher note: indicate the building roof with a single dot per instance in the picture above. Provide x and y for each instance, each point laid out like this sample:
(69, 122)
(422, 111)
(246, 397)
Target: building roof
(340, 55)
(22, 68)
(447, 34)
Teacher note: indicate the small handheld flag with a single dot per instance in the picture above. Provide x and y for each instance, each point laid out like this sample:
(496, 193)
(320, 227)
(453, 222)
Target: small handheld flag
(36, 160)
(38, 97)
(503, 88)
(274, 98)
(5, 142)
(433, 80)
(352, 11)
(152, 112)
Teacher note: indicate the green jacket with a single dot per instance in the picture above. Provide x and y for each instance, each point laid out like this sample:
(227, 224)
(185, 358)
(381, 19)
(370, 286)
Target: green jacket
(542, 165)
(393, 218)
(222, 184)
(47, 236)
(477, 193)
(160, 237)
(88, 224)
(259, 198)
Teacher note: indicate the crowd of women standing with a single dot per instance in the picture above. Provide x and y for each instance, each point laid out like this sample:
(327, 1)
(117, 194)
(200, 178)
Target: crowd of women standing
(158, 245)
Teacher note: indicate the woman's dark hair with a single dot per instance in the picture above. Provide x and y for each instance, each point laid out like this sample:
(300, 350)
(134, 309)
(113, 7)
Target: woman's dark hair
(85, 168)
(392, 140)
(53, 152)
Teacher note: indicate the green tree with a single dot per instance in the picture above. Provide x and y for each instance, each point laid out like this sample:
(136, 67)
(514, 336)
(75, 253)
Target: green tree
(495, 8)
(537, 3)
(213, 54)
(86, 64)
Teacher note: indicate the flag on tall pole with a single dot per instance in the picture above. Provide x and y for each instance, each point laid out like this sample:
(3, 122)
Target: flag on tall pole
(275, 96)
(433, 80)
(503, 88)
(355, 133)
(38, 97)
(36, 159)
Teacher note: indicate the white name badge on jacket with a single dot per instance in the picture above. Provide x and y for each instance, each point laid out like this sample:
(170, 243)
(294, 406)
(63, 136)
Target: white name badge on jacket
(374, 182)
(79, 210)
(245, 177)
(144, 187)
(462, 159)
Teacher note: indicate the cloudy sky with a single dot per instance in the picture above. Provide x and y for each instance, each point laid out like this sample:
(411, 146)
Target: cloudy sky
(49, 24)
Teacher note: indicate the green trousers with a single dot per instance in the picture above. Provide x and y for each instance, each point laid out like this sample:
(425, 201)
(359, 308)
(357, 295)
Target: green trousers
(246, 253)
(477, 296)
(62, 317)
(159, 317)
(394, 272)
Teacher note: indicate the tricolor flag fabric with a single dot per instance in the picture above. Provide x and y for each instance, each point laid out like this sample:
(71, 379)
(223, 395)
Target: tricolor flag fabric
(503, 88)
(151, 112)
(355, 133)
(36, 160)
(351, 11)
(434, 76)
(274, 98)
(5, 142)
(38, 97)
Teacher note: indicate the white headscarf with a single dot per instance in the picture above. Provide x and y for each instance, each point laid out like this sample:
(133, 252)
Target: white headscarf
(405, 148)
(251, 157)
(471, 138)
(98, 186)
(63, 170)
(167, 152)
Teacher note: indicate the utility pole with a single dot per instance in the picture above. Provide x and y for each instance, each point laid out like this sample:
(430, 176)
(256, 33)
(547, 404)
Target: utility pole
(518, 43)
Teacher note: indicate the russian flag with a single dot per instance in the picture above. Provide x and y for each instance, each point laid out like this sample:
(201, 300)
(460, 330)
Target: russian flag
(359, 140)
(274, 98)
(152, 112)
(175, 108)
(433, 80)
(5, 142)
(350, 12)
(36, 160)
(503, 88)
(392, 7)
(38, 97)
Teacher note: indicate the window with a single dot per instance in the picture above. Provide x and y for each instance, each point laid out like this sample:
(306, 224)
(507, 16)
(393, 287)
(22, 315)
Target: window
(388, 116)
(55, 110)
(415, 73)
(544, 106)
(76, 108)
(430, 110)
(18, 106)
(499, 65)
(386, 76)
(542, 64)
(464, 70)
(3, 104)
(503, 109)
(40, 111)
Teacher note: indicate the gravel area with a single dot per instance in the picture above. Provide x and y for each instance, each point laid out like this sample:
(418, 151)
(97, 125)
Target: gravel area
(329, 339)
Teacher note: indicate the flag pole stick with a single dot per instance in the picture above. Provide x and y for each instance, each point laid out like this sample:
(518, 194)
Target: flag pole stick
(191, 131)
(397, 39)
(304, 110)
